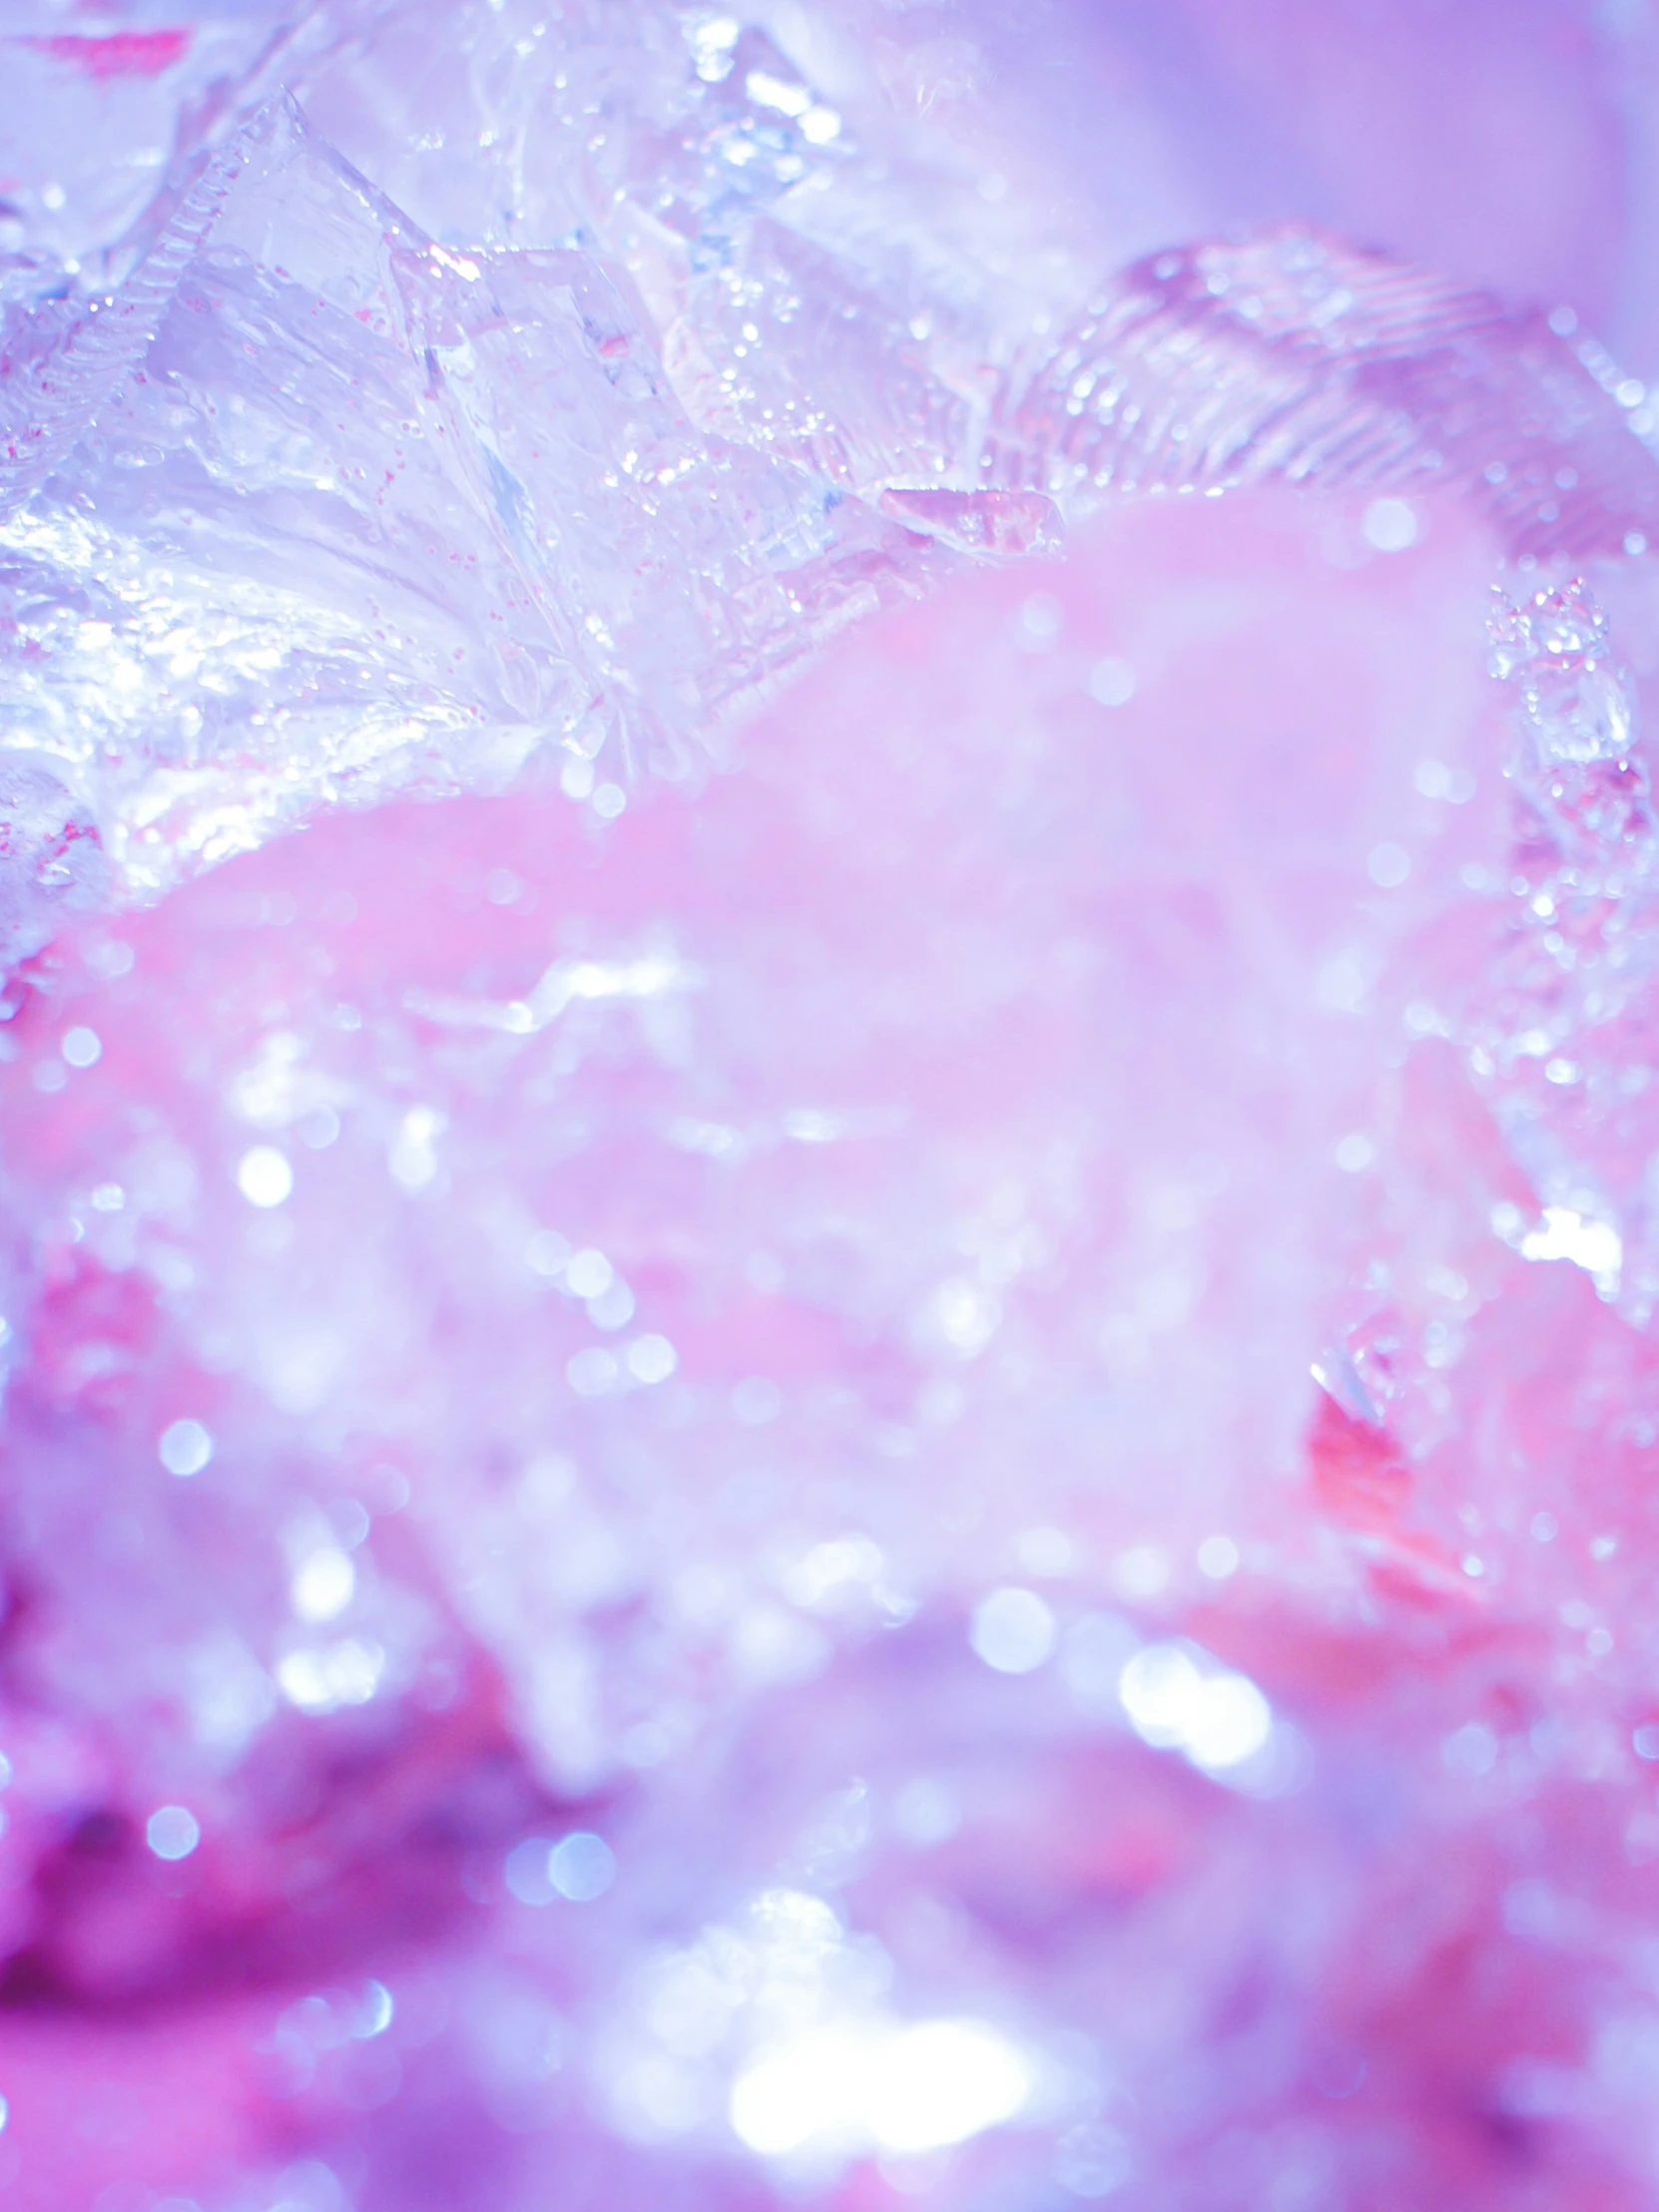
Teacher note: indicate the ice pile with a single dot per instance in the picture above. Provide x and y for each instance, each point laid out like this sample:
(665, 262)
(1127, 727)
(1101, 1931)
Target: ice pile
(829, 1253)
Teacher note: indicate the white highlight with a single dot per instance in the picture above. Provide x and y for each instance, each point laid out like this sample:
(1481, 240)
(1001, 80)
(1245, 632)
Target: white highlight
(901, 2090)
(1594, 1246)
(184, 1448)
(525, 1872)
(264, 1176)
(567, 982)
(835, 1573)
(650, 1358)
(1218, 1558)
(322, 1680)
(172, 1832)
(581, 1867)
(589, 1273)
(1391, 525)
(1179, 1699)
(412, 1157)
(1013, 1631)
(944, 2081)
(324, 1584)
(1112, 683)
(1388, 865)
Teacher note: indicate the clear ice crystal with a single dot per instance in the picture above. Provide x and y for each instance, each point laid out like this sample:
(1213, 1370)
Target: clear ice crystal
(1570, 996)
(1293, 356)
(337, 493)
(1577, 703)
(400, 550)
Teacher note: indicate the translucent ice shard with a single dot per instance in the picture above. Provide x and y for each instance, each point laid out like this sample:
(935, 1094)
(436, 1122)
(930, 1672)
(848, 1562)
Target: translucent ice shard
(561, 453)
(982, 521)
(339, 511)
(1560, 1030)
(100, 116)
(1295, 356)
(1576, 698)
(64, 352)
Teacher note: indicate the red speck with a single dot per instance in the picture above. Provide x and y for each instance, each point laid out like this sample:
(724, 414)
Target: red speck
(121, 54)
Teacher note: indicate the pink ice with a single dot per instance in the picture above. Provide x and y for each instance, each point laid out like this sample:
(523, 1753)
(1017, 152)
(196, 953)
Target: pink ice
(912, 1464)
